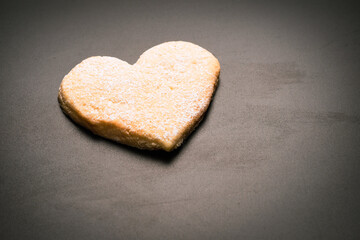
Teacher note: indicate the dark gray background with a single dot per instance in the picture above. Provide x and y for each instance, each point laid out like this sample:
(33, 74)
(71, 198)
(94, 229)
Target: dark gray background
(277, 156)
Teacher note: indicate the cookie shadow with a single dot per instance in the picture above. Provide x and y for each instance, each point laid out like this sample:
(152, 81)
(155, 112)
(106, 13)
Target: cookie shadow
(154, 155)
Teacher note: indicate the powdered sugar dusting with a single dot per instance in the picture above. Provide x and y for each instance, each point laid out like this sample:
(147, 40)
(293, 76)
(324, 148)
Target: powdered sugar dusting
(158, 97)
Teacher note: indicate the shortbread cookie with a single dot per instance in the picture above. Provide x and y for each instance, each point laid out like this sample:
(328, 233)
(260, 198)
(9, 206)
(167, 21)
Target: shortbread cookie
(152, 104)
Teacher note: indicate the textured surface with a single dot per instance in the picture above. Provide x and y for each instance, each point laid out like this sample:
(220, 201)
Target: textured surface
(275, 157)
(152, 104)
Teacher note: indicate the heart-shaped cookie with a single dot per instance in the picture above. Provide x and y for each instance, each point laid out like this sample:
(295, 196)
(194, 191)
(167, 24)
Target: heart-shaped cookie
(153, 104)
